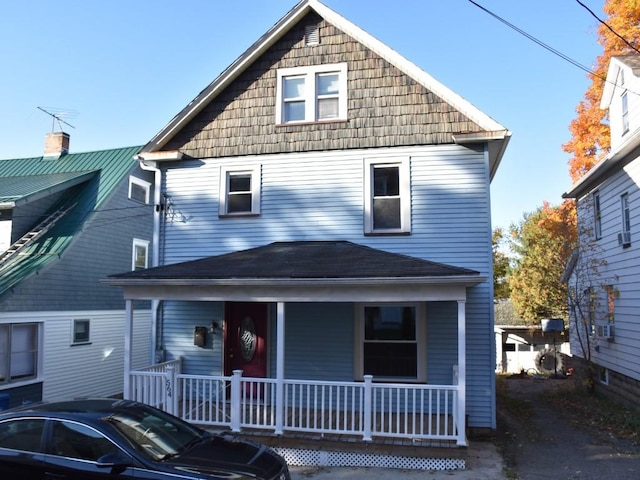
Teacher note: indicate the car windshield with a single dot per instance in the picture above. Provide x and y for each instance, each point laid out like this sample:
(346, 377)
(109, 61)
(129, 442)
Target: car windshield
(155, 433)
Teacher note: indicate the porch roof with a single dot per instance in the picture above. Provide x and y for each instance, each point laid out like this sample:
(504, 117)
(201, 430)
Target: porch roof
(303, 270)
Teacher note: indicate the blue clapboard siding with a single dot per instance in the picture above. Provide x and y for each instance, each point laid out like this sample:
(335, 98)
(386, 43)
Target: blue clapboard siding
(319, 196)
(318, 341)
(180, 320)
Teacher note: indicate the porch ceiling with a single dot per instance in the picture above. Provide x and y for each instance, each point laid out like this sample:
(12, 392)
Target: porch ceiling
(301, 271)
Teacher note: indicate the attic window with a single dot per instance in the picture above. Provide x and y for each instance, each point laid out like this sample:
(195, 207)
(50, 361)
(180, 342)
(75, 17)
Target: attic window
(312, 94)
(311, 35)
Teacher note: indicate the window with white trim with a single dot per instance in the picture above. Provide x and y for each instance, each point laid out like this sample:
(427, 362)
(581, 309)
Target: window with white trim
(626, 214)
(18, 352)
(597, 216)
(140, 254)
(387, 196)
(81, 331)
(139, 190)
(391, 342)
(625, 112)
(311, 94)
(239, 191)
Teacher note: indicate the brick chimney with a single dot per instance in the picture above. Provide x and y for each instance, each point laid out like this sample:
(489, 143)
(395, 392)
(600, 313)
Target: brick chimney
(56, 144)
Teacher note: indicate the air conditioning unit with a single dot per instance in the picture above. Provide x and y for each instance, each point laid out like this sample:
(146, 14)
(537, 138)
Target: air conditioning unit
(605, 331)
(624, 239)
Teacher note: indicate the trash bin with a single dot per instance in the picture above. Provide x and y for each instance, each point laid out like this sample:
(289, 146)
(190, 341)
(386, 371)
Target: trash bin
(4, 401)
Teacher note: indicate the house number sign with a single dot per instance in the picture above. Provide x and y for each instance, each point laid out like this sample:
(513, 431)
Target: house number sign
(248, 339)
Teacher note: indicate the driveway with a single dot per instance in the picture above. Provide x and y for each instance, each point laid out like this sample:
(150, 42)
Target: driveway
(541, 445)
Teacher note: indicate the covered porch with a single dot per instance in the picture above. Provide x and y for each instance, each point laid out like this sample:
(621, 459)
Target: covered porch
(364, 410)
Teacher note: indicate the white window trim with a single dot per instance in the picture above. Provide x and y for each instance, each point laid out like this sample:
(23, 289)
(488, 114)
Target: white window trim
(137, 242)
(39, 365)
(310, 97)
(625, 209)
(405, 194)
(421, 338)
(255, 172)
(597, 215)
(73, 331)
(142, 184)
(624, 111)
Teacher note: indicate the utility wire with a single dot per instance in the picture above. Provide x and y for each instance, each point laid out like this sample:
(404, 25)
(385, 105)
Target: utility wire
(534, 39)
(549, 48)
(608, 26)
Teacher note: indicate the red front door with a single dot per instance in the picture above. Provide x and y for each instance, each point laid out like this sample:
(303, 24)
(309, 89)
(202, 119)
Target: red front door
(245, 338)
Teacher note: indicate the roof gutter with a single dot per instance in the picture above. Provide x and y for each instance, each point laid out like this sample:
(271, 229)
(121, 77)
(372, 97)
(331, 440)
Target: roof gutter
(467, 280)
(589, 179)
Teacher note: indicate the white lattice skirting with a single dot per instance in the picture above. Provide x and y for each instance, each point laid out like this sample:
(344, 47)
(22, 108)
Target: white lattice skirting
(315, 458)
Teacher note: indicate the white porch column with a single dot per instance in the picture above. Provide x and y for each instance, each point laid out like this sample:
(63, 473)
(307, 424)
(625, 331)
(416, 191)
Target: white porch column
(128, 333)
(280, 368)
(462, 372)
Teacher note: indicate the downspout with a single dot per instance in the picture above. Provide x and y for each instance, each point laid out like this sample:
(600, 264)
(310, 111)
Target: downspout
(158, 211)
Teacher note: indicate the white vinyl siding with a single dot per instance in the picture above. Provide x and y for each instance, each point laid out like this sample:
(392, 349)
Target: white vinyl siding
(95, 369)
(624, 109)
(621, 268)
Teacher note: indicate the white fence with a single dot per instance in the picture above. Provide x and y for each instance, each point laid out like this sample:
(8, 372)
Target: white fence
(364, 408)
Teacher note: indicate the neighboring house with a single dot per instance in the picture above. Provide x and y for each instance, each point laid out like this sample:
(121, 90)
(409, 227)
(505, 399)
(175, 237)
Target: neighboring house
(325, 231)
(609, 219)
(67, 220)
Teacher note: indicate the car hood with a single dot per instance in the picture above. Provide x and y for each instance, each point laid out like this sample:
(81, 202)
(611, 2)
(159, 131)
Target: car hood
(223, 454)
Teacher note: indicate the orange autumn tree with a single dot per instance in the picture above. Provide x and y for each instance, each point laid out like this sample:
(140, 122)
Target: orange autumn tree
(590, 140)
(542, 242)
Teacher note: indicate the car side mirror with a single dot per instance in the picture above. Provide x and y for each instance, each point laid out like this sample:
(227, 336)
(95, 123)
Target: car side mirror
(117, 463)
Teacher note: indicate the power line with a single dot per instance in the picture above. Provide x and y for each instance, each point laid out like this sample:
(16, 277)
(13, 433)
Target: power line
(608, 26)
(534, 39)
(549, 48)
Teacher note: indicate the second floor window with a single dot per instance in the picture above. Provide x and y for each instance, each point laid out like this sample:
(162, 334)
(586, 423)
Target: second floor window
(625, 113)
(597, 216)
(140, 254)
(311, 94)
(626, 217)
(139, 190)
(387, 197)
(239, 192)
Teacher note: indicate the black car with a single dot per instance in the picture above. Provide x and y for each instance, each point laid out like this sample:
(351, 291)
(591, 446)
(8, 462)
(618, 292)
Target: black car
(106, 438)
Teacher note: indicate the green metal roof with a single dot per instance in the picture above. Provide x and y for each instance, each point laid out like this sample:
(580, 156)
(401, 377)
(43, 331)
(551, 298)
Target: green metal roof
(87, 178)
(19, 190)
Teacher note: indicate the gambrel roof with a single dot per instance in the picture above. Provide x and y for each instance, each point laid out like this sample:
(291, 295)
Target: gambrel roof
(219, 122)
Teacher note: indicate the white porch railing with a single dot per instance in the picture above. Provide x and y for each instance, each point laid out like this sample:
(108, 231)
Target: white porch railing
(355, 408)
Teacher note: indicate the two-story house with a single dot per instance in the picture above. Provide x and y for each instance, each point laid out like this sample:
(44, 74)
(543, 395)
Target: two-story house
(66, 221)
(608, 330)
(325, 246)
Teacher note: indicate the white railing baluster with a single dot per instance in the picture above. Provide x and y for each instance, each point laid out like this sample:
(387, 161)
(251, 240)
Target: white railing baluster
(358, 408)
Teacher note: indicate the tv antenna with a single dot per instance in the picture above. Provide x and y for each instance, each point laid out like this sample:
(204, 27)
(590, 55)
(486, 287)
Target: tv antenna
(57, 117)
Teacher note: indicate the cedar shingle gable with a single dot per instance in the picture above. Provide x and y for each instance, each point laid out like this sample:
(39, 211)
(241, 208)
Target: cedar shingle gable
(386, 107)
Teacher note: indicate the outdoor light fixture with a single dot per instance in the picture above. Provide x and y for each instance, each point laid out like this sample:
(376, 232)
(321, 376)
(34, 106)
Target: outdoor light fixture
(214, 328)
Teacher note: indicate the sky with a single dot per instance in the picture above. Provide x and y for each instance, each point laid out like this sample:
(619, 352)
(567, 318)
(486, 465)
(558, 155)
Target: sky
(118, 71)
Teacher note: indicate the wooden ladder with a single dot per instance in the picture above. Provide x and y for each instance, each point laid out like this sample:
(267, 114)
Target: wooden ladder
(28, 238)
